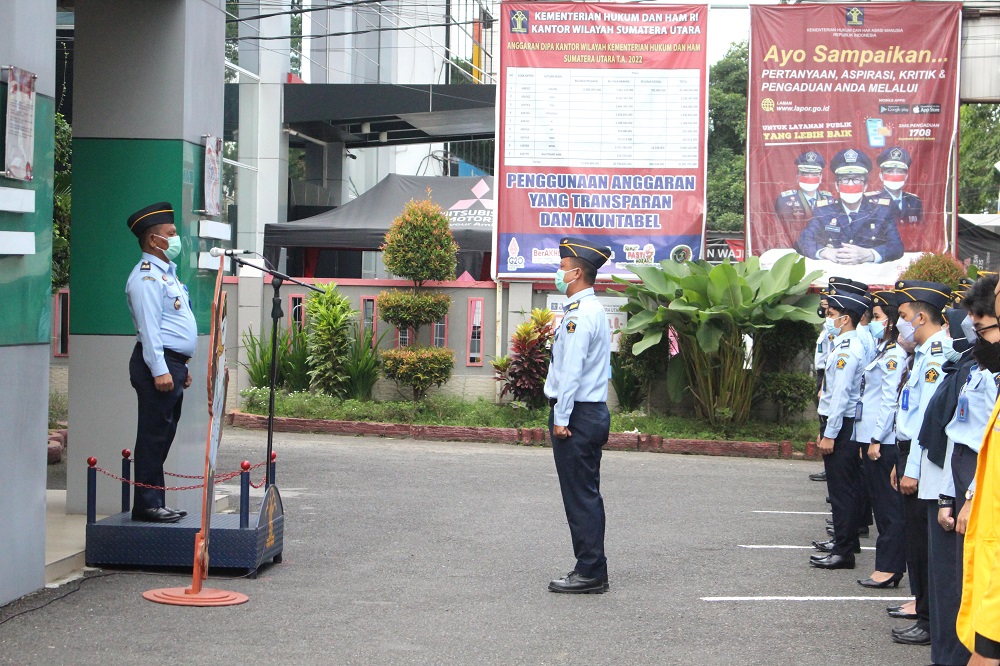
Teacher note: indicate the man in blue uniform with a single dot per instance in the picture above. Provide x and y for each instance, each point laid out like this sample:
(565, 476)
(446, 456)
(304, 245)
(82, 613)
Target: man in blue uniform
(579, 422)
(851, 229)
(920, 322)
(837, 408)
(824, 345)
(795, 207)
(894, 166)
(166, 335)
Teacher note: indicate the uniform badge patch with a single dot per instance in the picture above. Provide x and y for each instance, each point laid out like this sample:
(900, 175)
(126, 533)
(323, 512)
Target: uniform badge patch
(149, 277)
(841, 363)
(144, 266)
(931, 376)
(177, 304)
(570, 326)
(891, 364)
(936, 348)
(845, 344)
(572, 306)
(996, 380)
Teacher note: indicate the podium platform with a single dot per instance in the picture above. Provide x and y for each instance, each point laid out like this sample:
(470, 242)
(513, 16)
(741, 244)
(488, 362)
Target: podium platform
(236, 541)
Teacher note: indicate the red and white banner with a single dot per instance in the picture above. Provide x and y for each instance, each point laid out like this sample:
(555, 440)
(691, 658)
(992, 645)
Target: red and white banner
(601, 133)
(19, 138)
(870, 86)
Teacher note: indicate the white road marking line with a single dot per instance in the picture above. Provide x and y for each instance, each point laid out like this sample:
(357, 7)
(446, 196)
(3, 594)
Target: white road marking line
(792, 547)
(799, 513)
(879, 599)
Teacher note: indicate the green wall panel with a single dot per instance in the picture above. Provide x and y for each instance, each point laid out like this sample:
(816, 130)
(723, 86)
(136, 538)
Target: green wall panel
(113, 178)
(26, 281)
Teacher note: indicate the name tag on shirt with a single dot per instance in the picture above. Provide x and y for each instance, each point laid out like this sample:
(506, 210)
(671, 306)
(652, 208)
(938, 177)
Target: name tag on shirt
(857, 411)
(904, 401)
(963, 409)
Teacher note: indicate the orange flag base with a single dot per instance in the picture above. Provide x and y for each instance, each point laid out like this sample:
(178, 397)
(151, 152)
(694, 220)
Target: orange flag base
(185, 596)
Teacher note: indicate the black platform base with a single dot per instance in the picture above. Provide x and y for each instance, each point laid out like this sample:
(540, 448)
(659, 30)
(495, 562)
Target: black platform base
(119, 541)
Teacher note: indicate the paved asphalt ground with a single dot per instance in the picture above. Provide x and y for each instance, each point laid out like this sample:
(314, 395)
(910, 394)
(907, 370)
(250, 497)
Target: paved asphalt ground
(403, 552)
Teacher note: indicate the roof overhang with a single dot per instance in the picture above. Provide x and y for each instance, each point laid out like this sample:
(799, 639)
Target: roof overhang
(370, 115)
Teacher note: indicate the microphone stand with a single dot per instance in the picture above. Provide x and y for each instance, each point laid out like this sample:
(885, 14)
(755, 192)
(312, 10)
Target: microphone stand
(276, 313)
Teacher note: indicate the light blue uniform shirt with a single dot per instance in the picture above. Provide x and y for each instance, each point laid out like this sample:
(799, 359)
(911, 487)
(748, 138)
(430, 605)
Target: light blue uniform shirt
(824, 344)
(880, 393)
(841, 382)
(867, 343)
(581, 356)
(924, 379)
(161, 312)
(968, 426)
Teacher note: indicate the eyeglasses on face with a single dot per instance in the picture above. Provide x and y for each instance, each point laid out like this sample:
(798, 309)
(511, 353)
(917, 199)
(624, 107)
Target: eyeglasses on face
(851, 180)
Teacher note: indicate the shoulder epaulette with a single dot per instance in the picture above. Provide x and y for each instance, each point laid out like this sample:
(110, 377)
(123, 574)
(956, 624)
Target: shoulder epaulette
(145, 266)
(572, 306)
(787, 193)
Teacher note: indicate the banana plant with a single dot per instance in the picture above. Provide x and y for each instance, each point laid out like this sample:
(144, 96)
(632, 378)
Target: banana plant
(716, 312)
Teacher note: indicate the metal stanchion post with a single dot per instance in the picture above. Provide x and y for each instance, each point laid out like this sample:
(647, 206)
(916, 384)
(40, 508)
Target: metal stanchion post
(126, 476)
(245, 495)
(272, 466)
(91, 490)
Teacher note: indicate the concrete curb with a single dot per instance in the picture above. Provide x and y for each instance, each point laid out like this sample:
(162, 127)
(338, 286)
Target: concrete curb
(617, 441)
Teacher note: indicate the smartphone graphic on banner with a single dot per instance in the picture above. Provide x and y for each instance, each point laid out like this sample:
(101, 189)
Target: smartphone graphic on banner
(876, 138)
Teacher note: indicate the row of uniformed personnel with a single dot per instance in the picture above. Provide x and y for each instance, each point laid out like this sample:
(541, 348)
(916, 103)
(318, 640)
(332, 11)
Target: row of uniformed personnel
(908, 387)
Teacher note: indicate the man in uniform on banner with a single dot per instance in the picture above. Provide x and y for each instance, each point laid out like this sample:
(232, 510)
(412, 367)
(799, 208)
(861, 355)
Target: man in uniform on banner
(795, 207)
(166, 339)
(851, 229)
(579, 422)
(894, 166)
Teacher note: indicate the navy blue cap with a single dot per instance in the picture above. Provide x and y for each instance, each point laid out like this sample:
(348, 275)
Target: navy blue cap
(935, 294)
(846, 302)
(894, 157)
(884, 298)
(584, 249)
(150, 216)
(850, 161)
(810, 161)
(846, 285)
(955, 317)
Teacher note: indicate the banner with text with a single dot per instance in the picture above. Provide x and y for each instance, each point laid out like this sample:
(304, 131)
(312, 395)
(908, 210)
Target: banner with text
(601, 134)
(19, 138)
(853, 117)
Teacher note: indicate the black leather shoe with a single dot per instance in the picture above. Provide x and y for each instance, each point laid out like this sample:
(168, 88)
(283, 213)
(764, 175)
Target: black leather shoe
(574, 583)
(157, 515)
(818, 477)
(907, 628)
(897, 612)
(179, 512)
(889, 582)
(832, 562)
(827, 546)
(915, 635)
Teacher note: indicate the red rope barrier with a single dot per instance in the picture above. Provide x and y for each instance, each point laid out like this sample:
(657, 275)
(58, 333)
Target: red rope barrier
(219, 478)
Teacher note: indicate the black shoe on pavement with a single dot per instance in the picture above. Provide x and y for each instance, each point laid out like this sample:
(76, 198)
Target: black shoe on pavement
(821, 476)
(157, 515)
(574, 583)
(827, 546)
(915, 635)
(179, 512)
(832, 561)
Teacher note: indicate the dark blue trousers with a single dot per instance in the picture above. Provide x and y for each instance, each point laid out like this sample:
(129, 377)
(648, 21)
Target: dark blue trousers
(843, 481)
(915, 521)
(159, 413)
(578, 465)
(945, 592)
(887, 504)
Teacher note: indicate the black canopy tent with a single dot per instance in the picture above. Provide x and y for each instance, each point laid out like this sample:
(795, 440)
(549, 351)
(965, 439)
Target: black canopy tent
(361, 224)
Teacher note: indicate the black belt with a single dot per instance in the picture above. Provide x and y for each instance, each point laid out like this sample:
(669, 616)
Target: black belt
(553, 401)
(169, 353)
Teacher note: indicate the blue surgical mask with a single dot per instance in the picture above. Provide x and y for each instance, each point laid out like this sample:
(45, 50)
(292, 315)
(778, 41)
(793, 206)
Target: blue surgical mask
(969, 329)
(561, 283)
(877, 329)
(952, 354)
(831, 327)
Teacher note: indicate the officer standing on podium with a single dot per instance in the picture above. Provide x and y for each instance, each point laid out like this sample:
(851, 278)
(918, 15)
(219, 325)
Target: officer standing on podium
(579, 422)
(166, 336)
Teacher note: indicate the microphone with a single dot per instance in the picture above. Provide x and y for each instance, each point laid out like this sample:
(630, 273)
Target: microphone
(221, 252)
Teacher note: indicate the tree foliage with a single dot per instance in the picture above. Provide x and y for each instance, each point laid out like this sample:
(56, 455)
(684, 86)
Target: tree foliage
(62, 199)
(979, 150)
(329, 318)
(718, 313)
(419, 245)
(727, 136)
(420, 368)
(935, 267)
(522, 373)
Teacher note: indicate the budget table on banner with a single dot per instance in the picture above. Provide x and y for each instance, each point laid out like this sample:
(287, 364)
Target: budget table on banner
(602, 118)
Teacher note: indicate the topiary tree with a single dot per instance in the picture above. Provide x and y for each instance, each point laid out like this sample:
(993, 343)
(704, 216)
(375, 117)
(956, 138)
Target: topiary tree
(935, 267)
(328, 323)
(419, 246)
